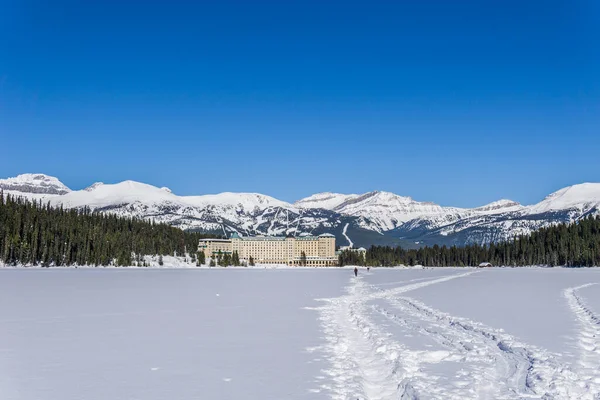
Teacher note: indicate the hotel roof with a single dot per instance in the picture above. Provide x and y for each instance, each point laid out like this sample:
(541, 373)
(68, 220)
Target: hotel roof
(236, 235)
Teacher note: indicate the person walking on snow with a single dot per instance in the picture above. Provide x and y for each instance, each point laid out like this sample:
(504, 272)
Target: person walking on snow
(355, 271)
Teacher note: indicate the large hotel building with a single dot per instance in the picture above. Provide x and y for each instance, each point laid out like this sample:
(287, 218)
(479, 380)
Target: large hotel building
(319, 251)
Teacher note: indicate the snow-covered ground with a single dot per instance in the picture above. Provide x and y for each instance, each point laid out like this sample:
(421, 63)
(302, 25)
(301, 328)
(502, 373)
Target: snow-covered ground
(299, 334)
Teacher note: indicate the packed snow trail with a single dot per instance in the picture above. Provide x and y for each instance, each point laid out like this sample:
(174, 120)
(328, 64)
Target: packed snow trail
(366, 363)
(346, 236)
(369, 363)
(588, 339)
(518, 370)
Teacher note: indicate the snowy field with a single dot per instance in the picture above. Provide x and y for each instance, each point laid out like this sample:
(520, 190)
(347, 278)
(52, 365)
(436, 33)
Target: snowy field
(149, 334)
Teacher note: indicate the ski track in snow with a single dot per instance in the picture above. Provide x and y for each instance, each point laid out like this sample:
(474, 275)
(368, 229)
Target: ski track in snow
(366, 363)
(346, 236)
(369, 363)
(588, 339)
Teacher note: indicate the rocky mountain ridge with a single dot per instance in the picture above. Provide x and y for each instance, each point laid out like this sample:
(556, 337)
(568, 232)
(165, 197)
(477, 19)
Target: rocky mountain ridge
(371, 218)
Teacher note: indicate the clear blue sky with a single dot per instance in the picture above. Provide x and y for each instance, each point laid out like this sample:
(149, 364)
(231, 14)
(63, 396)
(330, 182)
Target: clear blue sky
(460, 104)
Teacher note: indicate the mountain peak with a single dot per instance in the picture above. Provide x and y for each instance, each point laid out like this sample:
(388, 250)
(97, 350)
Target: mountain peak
(101, 195)
(389, 196)
(586, 190)
(385, 213)
(93, 186)
(385, 209)
(325, 200)
(35, 183)
(500, 205)
(580, 196)
(247, 201)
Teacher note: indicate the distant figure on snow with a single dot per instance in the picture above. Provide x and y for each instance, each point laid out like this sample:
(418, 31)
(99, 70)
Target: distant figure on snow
(368, 269)
(355, 271)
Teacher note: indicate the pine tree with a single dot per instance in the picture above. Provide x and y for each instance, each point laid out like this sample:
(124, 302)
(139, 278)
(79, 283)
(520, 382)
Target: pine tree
(225, 260)
(573, 245)
(33, 233)
(235, 259)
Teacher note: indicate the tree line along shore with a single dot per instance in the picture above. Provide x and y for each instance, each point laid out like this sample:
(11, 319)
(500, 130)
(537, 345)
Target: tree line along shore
(33, 233)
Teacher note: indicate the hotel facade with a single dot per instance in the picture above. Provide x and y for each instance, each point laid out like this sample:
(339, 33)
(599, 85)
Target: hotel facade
(319, 251)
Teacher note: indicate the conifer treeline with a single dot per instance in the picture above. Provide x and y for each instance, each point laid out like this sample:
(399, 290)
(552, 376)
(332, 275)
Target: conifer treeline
(572, 245)
(32, 233)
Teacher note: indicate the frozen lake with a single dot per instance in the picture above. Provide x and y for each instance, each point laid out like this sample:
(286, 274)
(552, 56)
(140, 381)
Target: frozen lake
(149, 334)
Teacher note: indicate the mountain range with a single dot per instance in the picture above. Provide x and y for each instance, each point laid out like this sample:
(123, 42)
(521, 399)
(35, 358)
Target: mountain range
(355, 219)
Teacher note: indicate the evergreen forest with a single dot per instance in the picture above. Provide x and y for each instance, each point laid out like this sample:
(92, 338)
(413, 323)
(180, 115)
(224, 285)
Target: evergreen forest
(571, 245)
(32, 233)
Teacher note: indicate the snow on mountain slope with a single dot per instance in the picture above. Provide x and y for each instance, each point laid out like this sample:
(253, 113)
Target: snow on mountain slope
(371, 216)
(248, 213)
(499, 206)
(327, 201)
(34, 184)
(241, 201)
(454, 220)
(102, 195)
(93, 186)
(504, 220)
(388, 210)
(584, 197)
(384, 211)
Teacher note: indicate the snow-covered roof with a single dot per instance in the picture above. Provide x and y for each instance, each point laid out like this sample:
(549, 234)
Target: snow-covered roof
(326, 235)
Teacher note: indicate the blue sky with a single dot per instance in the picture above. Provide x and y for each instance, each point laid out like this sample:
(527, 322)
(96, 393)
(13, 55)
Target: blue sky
(461, 104)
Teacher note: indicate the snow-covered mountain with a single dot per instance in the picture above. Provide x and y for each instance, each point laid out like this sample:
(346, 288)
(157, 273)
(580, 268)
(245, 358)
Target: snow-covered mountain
(327, 201)
(210, 212)
(388, 210)
(499, 206)
(505, 219)
(420, 223)
(365, 219)
(34, 184)
(385, 211)
(583, 198)
(247, 213)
